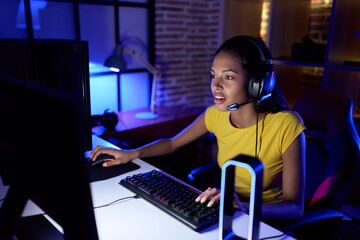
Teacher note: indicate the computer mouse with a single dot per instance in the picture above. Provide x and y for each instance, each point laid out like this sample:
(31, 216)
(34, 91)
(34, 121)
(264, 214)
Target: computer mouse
(100, 160)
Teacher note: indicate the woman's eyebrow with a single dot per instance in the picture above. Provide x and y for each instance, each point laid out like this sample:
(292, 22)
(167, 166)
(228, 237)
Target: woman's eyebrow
(230, 70)
(226, 70)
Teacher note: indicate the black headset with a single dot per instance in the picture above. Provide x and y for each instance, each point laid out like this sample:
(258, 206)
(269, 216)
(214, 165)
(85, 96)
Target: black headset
(262, 80)
(108, 119)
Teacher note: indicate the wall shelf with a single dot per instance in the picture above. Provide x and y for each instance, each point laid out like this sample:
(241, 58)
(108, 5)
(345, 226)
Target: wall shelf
(295, 63)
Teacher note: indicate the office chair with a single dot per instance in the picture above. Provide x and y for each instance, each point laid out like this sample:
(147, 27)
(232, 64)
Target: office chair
(332, 162)
(332, 159)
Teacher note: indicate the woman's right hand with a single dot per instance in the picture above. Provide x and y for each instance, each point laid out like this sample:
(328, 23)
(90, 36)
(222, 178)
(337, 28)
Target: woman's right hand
(121, 156)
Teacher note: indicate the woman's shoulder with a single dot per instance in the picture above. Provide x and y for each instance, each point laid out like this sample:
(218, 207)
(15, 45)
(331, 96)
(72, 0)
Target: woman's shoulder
(215, 118)
(286, 115)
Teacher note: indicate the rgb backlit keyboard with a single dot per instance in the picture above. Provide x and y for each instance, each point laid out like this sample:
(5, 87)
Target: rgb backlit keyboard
(174, 197)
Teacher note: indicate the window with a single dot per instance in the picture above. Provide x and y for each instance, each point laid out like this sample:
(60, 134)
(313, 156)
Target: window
(103, 23)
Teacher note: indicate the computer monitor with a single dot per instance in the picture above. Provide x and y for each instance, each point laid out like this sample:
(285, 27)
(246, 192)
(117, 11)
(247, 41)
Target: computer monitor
(41, 158)
(60, 65)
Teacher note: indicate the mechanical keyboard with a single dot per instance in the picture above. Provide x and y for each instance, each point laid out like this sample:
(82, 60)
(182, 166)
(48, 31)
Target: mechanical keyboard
(174, 197)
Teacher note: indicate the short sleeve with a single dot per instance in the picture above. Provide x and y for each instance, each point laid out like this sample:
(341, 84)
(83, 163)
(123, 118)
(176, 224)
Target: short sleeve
(210, 118)
(292, 126)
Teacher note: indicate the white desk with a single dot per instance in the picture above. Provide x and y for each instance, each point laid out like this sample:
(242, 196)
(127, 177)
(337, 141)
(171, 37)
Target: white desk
(137, 219)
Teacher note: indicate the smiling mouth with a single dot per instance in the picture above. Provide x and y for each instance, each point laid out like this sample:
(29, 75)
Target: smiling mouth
(219, 97)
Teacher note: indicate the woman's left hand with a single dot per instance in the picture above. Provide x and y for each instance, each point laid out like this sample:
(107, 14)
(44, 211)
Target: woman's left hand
(211, 194)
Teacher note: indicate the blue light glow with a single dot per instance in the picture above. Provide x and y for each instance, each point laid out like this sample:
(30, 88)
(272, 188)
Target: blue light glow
(103, 93)
(135, 91)
(114, 69)
(35, 7)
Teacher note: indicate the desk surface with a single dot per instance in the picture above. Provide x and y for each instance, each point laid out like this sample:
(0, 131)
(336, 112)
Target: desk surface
(137, 219)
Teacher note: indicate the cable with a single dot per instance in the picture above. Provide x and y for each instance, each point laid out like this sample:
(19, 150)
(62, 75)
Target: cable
(276, 236)
(118, 200)
(105, 205)
(258, 101)
(257, 125)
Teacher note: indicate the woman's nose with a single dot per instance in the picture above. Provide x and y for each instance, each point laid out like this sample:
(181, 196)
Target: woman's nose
(216, 83)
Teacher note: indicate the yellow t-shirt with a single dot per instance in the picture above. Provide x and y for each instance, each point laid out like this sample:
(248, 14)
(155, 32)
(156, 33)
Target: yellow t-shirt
(275, 134)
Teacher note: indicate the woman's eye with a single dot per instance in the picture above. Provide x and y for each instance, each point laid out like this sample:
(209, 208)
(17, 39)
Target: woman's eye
(212, 76)
(229, 77)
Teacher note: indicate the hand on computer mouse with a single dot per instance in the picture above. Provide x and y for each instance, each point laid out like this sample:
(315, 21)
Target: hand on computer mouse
(118, 156)
(100, 160)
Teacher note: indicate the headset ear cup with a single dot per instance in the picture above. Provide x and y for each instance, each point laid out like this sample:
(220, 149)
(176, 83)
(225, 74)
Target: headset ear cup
(251, 88)
(262, 81)
(256, 84)
(269, 82)
(109, 119)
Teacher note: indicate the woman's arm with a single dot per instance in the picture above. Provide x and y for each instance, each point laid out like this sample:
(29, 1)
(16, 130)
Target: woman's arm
(293, 183)
(156, 148)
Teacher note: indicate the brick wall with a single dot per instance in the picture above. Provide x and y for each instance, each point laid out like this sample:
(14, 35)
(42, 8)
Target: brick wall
(186, 36)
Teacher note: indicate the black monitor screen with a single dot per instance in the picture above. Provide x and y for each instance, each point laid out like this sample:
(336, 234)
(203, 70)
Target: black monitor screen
(45, 128)
(60, 65)
(41, 156)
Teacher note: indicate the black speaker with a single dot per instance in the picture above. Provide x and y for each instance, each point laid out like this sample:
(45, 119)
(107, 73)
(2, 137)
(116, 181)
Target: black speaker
(262, 80)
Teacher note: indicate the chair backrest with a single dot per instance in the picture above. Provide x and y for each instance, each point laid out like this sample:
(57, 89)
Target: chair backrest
(332, 147)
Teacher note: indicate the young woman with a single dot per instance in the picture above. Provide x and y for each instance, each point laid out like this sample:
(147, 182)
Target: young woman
(280, 143)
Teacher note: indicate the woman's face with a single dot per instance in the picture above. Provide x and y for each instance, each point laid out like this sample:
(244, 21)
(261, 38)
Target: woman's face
(229, 81)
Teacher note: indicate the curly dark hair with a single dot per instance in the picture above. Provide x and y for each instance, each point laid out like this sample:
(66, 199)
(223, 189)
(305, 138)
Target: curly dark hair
(250, 59)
